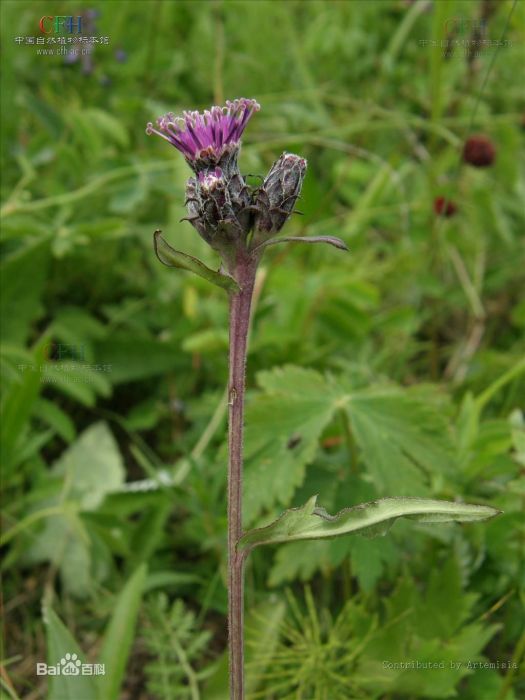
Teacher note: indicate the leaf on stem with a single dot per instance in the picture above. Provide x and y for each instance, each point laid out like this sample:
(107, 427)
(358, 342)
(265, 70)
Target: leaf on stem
(174, 258)
(309, 522)
(331, 240)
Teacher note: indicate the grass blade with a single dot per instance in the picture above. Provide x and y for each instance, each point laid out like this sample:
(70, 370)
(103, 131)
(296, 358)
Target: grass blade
(119, 635)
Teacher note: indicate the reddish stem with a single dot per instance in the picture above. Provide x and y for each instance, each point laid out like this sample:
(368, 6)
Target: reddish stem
(240, 304)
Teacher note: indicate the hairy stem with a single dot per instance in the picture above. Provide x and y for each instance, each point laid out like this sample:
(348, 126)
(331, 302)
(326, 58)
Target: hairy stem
(240, 303)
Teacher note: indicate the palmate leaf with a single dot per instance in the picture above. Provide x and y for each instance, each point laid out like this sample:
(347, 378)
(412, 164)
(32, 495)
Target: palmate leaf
(310, 522)
(402, 435)
(283, 428)
(430, 625)
(403, 439)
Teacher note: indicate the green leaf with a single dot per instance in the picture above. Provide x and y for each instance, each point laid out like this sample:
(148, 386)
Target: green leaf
(299, 561)
(169, 579)
(150, 530)
(74, 325)
(368, 559)
(283, 428)
(17, 406)
(56, 418)
(486, 685)
(375, 518)
(445, 607)
(211, 340)
(177, 646)
(59, 643)
(262, 634)
(133, 356)
(408, 633)
(77, 380)
(262, 629)
(174, 258)
(403, 439)
(22, 275)
(403, 435)
(92, 467)
(119, 635)
(106, 123)
(331, 240)
(64, 542)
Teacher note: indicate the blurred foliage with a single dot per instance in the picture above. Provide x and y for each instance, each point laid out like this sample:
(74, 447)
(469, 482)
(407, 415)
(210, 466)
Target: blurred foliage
(396, 369)
(175, 645)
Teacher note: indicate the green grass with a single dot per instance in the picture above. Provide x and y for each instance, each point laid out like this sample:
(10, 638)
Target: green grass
(114, 456)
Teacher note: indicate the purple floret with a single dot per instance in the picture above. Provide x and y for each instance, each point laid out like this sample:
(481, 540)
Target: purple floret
(210, 180)
(209, 134)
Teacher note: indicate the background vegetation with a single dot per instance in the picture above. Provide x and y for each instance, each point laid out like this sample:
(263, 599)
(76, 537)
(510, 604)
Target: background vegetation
(396, 369)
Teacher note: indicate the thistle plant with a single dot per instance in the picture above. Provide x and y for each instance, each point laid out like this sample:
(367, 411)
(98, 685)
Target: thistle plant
(239, 221)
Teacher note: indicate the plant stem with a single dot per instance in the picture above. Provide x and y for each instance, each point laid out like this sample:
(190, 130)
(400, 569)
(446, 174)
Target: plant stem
(516, 659)
(240, 304)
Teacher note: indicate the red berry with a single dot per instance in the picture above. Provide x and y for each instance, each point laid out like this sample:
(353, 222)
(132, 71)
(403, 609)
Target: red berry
(444, 207)
(479, 151)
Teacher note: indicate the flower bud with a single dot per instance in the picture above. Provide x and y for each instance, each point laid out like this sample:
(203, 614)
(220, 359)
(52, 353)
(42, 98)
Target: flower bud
(278, 194)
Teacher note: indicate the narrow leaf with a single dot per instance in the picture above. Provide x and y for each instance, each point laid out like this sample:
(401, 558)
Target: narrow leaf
(72, 685)
(174, 258)
(119, 635)
(374, 518)
(18, 404)
(331, 240)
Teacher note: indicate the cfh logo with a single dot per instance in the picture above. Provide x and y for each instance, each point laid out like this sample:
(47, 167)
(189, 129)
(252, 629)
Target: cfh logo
(60, 24)
(65, 351)
(70, 665)
(464, 25)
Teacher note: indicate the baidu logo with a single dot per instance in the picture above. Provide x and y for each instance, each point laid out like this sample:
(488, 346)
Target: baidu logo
(70, 665)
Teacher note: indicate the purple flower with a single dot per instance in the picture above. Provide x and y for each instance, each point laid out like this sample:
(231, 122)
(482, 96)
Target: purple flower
(208, 139)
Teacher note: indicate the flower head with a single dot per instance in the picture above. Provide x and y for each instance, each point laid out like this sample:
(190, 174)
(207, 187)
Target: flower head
(444, 207)
(215, 210)
(207, 139)
(479, 151)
